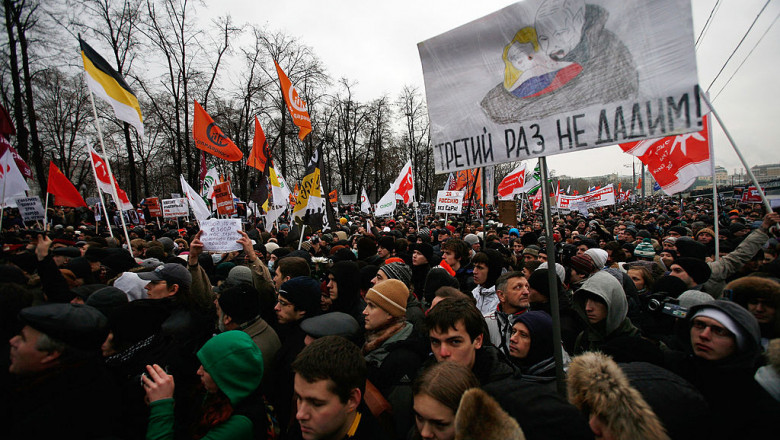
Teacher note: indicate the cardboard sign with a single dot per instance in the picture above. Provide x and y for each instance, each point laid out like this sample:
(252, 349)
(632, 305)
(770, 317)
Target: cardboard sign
(220, 235)
(507, 212)
(30, 208)
(172, 208)
(545, 77)
(225, 203)
(449, 202)
(153, 204)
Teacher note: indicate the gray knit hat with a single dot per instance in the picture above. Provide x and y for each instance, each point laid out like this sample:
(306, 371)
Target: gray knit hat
(398, 271)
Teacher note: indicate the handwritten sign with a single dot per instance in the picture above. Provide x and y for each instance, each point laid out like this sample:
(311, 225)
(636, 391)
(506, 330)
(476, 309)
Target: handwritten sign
(449, 202)
(220, 235)
(30, 208)
(172, 208)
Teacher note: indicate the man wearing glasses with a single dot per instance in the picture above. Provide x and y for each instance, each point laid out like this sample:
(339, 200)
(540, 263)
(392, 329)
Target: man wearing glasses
(722, 357)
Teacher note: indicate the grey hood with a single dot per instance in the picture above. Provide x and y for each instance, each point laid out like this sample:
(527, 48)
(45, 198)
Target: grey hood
(609, 289)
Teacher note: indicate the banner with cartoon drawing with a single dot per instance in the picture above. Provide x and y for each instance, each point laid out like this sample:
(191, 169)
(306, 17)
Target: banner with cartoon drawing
(545, 77)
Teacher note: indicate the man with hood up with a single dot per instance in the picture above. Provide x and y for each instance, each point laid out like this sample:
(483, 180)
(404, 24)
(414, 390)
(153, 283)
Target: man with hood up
(487, 268)
(722, 354)
(602, 304)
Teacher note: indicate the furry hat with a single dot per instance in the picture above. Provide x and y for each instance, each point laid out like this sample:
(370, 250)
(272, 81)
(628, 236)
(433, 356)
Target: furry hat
(480, 417)
(597, 383)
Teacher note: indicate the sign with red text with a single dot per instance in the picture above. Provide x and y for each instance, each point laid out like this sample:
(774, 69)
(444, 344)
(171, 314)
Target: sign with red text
(449, 202)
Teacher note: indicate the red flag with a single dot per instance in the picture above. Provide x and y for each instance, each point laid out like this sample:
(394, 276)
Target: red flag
(295, 104)
(259, 156)
(404, 183)
(6, 126)
(65, 194)
(537, 200)
(209, 138)
(675, 161)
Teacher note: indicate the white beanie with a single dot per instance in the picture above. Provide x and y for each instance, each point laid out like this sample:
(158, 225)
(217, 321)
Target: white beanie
(725, 320)
(559, 270)
(599, 257)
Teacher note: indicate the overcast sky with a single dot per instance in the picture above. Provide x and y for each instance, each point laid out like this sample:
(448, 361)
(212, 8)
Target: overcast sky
(375, 44)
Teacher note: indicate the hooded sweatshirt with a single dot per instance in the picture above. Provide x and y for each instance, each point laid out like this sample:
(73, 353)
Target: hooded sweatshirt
(616, 324)
(740, 407)
(485, 293)
(235, 364)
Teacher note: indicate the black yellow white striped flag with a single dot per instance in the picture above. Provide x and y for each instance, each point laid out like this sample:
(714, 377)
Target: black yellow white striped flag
(105, 82)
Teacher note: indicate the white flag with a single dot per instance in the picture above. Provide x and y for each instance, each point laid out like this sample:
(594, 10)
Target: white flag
(280, 192)
(209, 180)
(196, 202)
(404, 183)
(386, 204)
(365, 205)
(11, 178)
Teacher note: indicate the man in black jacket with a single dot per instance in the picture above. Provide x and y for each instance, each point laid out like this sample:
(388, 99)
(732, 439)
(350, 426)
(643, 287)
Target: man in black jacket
(63, 389)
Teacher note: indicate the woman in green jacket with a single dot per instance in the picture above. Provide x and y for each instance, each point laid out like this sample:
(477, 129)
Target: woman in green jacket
(233, 407)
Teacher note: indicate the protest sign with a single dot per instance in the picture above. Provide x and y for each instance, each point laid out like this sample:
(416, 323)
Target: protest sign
(545, 77)
(348, 199)
(153, 204)
(172, 208)
(751, 195)
(604, 196)
(220, 235)
(449, 202)
(507, 212)
(225, 203)
(30, 208)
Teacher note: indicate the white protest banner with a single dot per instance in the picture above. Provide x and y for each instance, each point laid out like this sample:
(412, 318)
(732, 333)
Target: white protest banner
(568, 202)
(220, 235)
(30, 208)
(449, 202)
(386, 205)
(348, 199)
(604, 196)
(545, 77)
(172, 208)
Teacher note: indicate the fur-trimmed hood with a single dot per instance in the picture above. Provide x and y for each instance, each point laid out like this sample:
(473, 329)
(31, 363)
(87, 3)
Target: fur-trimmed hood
(479, 417)
(596, 384)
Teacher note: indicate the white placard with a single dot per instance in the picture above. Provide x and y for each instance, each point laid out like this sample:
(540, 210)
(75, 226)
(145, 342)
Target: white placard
(545, 77)
(449, 202)
(172, 208)
(30, 208)
(220, 235)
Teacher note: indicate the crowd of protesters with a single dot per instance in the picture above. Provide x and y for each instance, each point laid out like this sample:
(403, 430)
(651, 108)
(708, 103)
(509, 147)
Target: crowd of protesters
(393, 329)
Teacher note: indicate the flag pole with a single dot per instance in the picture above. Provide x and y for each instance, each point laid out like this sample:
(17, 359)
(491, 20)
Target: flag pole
(706, 100)
(2, 206)
(714, 194)
(100, 193)
(552, 279)
(110, 173)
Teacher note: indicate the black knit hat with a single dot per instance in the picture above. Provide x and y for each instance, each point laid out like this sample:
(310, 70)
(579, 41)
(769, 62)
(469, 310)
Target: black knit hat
(387, 243)
(426, 250)
(241, 302)
(304, 293)
(697, 269)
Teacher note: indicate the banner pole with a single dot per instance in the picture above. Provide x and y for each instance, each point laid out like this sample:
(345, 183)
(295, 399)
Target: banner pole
(753, 179)
(110, 173)
(2, 206)
(46, 211)
(551, 279)
(300, 241)
(714, 194)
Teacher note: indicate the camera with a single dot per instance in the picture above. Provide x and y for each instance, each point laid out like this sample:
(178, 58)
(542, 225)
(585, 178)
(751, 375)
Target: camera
(660, 303)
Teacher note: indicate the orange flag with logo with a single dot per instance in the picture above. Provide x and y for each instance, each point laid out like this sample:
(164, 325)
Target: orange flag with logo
(295, 103)
(209, 138)
(258, 158)
(333, 196)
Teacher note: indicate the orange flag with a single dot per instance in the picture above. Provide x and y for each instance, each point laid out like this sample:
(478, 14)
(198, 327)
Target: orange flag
(295, 104)
(258, 158)
(65, 194)
(209, 138)
(333, 196)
